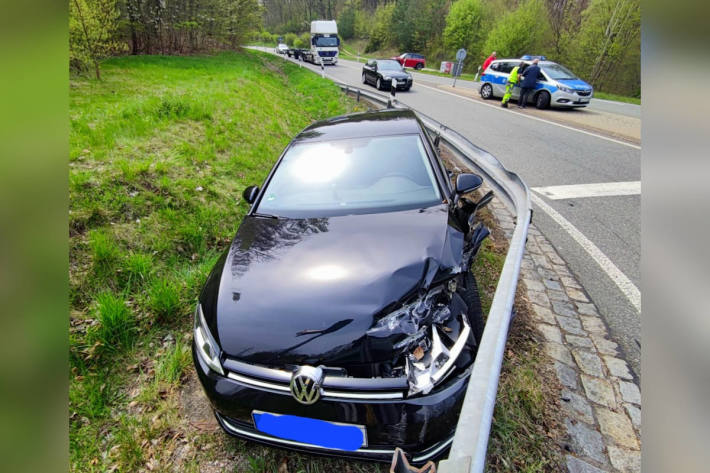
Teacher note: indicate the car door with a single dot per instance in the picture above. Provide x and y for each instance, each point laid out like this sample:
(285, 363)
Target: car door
(410, 61)
(370, 71)
(499, 71)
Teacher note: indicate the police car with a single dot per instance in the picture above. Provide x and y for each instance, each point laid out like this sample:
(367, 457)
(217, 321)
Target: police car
(556, 85)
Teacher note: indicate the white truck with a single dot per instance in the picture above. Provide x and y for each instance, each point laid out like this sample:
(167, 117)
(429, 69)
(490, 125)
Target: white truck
(324, 43)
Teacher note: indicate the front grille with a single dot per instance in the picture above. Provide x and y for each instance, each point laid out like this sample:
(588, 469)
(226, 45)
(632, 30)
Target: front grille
(334, 387)
(583, 93)
(327, 53)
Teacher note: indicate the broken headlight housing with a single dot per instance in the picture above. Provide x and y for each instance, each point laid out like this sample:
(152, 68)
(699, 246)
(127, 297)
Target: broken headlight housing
(436, 331)
(206, 346)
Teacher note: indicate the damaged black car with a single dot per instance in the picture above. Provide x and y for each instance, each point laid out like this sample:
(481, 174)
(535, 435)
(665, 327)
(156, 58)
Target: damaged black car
(344, 318)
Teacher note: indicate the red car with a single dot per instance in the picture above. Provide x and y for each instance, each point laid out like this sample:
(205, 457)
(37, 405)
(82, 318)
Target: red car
(416, 61)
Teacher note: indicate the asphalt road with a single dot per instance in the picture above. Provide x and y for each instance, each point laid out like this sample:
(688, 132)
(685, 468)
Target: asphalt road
(581, 227)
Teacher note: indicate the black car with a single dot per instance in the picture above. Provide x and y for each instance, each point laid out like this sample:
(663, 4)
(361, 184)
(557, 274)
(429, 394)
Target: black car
(343, 319)
(381, 72)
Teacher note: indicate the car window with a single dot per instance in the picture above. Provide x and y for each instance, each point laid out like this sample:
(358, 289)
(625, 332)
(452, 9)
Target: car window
(495, 66)
(358, 175)
(389, 65)
(505, 67)
(556, 72)
(541, 77)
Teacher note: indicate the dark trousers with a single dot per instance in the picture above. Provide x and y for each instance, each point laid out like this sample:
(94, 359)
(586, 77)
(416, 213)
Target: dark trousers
(524, 92)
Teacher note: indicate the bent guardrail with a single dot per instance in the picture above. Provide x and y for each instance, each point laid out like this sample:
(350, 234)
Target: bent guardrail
(468, 450)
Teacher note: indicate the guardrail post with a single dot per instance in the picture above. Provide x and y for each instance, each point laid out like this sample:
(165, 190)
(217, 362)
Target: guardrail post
(358, 95)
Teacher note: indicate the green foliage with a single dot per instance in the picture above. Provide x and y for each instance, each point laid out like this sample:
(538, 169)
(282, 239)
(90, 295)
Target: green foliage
(93, 33)
(116, 321)
(346, 22)
(172, 364)
(164, 298)
(522, 31)
(466, 27)
(290, 38)
(609, 33)
(381, 32)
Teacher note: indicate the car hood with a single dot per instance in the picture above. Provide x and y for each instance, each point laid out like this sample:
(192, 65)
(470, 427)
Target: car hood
(305, 291)
(395, 74)
(576, 84)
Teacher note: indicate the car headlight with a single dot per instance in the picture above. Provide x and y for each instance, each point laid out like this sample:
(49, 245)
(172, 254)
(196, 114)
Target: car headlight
(564, 88)
(206, 346)
(435, 336)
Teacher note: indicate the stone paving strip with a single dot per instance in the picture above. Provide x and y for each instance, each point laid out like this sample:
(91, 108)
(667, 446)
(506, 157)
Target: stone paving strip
(600, 398)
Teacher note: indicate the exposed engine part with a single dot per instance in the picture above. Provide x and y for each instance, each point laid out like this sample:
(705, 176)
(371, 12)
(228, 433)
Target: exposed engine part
(424, 373)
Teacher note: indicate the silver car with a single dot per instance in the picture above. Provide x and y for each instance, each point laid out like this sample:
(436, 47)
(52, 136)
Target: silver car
(556, 85)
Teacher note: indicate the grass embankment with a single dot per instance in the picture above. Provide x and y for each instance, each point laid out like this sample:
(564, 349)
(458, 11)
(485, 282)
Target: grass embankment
(617, 98)
(161, 149)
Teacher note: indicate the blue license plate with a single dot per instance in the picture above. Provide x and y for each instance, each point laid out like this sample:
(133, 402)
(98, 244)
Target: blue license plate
(316, 432)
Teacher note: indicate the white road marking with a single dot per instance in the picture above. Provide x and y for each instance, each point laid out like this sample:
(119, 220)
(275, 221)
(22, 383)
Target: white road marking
(628, 288)
(599, 189)
(500, 109)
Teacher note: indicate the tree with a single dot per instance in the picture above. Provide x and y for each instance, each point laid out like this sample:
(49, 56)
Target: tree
(608, 35)
(466, 27)
(346, 22)
(93, 32)
(525, 30)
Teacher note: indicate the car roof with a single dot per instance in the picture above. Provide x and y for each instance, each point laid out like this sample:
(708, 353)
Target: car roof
(526, 61)
(357, 125)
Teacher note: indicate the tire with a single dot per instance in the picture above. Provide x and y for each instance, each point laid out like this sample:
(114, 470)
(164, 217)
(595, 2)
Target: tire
(486, 91)
(364, 78)
(542, 100)
(378, 84)
(469, 293)
(419, 66)
(408, 88)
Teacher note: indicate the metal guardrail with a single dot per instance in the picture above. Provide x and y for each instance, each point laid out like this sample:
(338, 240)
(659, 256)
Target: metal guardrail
(468, 450)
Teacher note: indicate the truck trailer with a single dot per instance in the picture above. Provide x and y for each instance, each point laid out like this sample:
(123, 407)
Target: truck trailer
(324, 43)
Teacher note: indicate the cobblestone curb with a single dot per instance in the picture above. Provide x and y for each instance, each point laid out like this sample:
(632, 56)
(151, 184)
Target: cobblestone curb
(600, 398)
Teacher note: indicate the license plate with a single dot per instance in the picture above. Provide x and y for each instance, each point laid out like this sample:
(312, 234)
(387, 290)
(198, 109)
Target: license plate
(584, 100)
(316, 432)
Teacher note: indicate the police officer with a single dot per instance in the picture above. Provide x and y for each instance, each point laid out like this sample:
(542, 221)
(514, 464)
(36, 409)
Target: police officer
(527, 85)
(512, 82)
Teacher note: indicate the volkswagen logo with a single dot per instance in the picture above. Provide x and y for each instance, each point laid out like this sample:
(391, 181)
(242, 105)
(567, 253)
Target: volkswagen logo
(305, 384)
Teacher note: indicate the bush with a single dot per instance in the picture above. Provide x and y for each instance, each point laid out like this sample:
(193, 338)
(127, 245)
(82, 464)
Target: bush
(466, 27)
(290, 38)
(381, 33)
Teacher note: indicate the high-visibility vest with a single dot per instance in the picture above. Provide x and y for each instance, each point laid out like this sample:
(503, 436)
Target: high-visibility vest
(513, 77)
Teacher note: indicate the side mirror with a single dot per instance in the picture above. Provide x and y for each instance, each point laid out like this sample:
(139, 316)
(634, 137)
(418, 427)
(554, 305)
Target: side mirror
(468, 183)
(250, 193)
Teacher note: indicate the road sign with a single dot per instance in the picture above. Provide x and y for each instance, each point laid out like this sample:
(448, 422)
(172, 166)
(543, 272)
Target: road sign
(461, 54)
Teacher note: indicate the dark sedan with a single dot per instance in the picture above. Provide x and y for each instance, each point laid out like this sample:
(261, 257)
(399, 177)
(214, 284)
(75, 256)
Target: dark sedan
(381, 73)
(344, 319)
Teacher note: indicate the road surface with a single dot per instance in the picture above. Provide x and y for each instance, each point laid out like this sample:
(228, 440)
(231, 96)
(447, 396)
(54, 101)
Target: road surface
(593, 220)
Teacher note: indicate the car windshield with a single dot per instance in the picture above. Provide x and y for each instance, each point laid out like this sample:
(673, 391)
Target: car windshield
(389, 66)
(322, 41)
(351, 176)
(557, 72)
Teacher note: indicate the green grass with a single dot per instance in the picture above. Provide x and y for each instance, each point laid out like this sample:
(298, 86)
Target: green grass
(617, 98)
(161, 150)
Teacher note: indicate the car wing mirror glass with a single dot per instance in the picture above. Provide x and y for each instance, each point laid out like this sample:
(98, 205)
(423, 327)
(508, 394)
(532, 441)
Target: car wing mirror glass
(468, 183)
(250, 193)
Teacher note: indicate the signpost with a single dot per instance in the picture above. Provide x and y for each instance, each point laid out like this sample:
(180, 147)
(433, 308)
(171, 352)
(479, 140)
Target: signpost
(460, 56)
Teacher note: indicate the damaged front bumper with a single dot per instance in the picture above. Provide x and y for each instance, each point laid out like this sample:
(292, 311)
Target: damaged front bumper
(423, 424)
